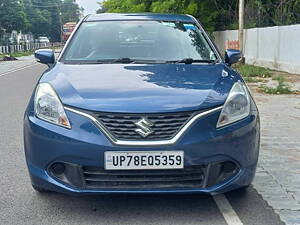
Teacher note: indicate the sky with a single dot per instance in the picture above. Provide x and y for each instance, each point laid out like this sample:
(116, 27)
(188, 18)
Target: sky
(90, 6)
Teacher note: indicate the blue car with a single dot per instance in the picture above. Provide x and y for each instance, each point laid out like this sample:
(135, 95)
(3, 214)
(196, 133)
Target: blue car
(140, 103)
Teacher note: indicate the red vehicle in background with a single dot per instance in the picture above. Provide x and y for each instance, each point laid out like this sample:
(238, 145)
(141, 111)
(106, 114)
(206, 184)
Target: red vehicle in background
(67, 30)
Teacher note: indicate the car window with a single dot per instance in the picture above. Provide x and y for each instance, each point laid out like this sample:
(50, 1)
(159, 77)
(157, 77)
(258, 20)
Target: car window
(147, 40)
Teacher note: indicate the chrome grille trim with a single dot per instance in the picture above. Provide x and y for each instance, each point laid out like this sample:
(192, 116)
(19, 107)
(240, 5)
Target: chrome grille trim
(142, 142)
(124, 126)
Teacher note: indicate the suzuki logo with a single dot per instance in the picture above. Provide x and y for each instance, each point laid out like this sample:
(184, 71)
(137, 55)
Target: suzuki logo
(144, 127)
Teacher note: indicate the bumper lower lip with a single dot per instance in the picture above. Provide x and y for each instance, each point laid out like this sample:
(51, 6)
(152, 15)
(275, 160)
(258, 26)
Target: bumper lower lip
(42, 179)
(193, 177)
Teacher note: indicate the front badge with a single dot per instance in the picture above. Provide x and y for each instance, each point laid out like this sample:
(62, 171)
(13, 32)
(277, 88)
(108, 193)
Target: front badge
(144, 127)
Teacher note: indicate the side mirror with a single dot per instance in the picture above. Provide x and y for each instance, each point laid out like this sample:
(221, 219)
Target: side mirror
(232, 56)
(45, 56)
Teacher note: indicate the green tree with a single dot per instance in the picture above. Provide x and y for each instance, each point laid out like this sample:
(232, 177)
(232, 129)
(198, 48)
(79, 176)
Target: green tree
(44, 18)
(39, 20)
(126, 6)
(47, 16)
(203, 9)
(12, 15)
(70, 11)
(286, 12)
(217, 14)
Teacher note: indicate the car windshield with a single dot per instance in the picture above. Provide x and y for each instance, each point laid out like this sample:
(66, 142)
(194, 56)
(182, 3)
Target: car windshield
(130, 41)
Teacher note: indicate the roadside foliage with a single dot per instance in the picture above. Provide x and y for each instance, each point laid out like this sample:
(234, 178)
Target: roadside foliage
(217, 14)
(39, 17)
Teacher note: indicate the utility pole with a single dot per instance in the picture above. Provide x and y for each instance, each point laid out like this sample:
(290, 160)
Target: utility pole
(61, 27)
(241, 25)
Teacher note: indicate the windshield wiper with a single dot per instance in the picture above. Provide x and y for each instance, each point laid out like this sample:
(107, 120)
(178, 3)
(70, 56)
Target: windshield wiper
(129, 60)
(123, 60)
(120, 60)
(190, 61)
(139, 61)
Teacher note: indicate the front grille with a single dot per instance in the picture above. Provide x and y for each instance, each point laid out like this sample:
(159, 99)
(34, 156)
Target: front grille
(122, 126)
(192, 177)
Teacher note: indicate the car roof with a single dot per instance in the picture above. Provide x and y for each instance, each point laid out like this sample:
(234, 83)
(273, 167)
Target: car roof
(139, 16)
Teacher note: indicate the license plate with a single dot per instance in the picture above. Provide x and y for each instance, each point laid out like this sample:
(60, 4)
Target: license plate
(144, 160)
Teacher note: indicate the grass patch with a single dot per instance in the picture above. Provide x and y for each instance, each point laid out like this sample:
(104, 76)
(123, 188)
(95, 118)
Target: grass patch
(253, 80)
(18, 54)
(27, 53)
(281, 88)
(253, 71)
(255, 74)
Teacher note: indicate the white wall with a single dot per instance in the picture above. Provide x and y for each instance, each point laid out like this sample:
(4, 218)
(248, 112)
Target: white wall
(221, 37)
(273, 47)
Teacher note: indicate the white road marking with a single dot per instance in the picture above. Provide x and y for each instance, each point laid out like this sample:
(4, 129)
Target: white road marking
(16, 70)
(227, 211)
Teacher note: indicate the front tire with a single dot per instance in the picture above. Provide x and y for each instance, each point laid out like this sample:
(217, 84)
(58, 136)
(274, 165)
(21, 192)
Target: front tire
(39, 189)
(243, 190)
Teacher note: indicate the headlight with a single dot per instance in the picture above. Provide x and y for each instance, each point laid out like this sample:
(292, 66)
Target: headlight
(237, 105)
(48, 107)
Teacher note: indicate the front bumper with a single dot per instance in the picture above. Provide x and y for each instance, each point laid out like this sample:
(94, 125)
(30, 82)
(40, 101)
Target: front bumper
(84, 146)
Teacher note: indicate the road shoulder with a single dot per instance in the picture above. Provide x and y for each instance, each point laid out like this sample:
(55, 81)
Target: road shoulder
(278, 176)
(11, 66)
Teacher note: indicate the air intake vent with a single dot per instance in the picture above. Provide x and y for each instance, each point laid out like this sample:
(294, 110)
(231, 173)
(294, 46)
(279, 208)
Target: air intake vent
(192, 177)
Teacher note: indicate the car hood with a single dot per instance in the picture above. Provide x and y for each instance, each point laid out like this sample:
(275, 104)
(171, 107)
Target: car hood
(139, 88)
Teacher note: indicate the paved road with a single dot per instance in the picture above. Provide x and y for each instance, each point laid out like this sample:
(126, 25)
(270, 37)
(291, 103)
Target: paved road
(278, 174)
(22, 62)
(19, 204)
